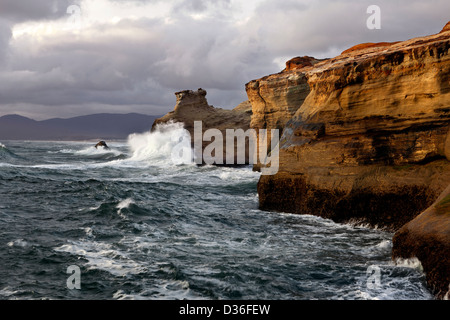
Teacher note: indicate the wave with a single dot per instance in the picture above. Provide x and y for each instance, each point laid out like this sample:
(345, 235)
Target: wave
(6, 154)
(103, 256)
(93, 153)
(157, 147)
(99, 153)
(168, 146)
(152, 148)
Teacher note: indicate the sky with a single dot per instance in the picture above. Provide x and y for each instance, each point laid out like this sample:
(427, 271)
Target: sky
(66, 58)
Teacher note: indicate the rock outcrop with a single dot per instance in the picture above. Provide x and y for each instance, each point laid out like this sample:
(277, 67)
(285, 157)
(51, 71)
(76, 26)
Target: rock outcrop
(193, 106)
(276, 98)
(427, 237)
(365, 138)
(446, 27)
(101, 144)
(364, 133)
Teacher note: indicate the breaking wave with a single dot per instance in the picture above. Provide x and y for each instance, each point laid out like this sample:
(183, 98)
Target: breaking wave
(7, 155)
(101, 153)
(157, 147)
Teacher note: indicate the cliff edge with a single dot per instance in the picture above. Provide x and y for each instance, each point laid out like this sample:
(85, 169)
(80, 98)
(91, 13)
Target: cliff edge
(365, 135)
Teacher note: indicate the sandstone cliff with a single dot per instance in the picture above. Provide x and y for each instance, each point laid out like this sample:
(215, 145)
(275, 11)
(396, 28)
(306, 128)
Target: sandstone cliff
(364, 133)
(365, 137)
(193, 106)
(427, 238)
(276, 98)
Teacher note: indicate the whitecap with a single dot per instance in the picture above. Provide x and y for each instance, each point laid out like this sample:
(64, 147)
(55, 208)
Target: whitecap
(384, 245)
(8, 291)
(92, 151)
(103, 256)
(413, 263)
(88, 231)
(17, 243)
(125, 203)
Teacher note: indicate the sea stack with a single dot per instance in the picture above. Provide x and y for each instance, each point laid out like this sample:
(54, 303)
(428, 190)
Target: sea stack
(193, 106)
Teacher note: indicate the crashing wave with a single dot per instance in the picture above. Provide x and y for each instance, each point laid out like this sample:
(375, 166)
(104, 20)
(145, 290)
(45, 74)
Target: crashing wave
(157, 147)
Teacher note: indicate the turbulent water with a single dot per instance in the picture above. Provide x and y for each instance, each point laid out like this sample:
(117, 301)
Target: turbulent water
(139, 227)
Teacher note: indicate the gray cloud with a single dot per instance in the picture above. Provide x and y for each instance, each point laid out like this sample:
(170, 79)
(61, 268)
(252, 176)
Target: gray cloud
(5, 37)
(137, 65)
(20, 11)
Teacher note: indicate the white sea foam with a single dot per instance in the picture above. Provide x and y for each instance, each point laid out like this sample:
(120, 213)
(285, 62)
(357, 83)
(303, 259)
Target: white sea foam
(412, 263)
(88, 231)
(156, 147)
(3, 164)
(65, 151)
(123, 205)
(2, 145)
(102, 256)
(384, 245)
(92, 151)
(8, 291)
(163, 290)
(238, 175)
(17, 243)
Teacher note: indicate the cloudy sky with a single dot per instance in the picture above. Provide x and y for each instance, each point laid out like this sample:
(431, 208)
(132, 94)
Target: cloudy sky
(63, 58)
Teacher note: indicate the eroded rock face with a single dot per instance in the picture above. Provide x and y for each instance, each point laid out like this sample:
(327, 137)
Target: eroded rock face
(193, 106)
(446, 27)
(366, 137)
(369, 137)
(276, 98)
(427, 238)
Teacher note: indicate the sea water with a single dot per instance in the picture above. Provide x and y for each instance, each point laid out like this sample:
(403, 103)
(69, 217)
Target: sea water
(137, 226)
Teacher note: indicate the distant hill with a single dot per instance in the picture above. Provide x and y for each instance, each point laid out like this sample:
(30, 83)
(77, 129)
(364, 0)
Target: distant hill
(97, 126)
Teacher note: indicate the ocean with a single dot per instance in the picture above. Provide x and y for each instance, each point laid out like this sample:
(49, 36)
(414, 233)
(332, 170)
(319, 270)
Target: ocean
(126, 223)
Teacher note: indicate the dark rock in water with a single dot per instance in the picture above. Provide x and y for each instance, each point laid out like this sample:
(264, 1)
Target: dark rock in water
(101, 144)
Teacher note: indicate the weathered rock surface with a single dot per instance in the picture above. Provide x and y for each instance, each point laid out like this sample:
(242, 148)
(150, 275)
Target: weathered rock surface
(365, 136)
(276, 98)
(193, 106)
(368, 138)
(446, 27)
(427, 238)
(368, 45)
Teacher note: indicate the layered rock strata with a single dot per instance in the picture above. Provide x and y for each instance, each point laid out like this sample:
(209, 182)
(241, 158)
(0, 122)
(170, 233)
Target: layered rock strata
(365, 138)
(368, 138)
(276, 98)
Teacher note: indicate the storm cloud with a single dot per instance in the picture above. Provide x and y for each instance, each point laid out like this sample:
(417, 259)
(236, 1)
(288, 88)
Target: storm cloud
(131, 56)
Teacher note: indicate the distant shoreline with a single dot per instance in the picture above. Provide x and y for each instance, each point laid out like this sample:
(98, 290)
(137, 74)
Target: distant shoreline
(102, 126)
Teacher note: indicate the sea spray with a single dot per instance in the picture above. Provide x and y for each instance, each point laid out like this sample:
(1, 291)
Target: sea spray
(100, 153)
(157, 146)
